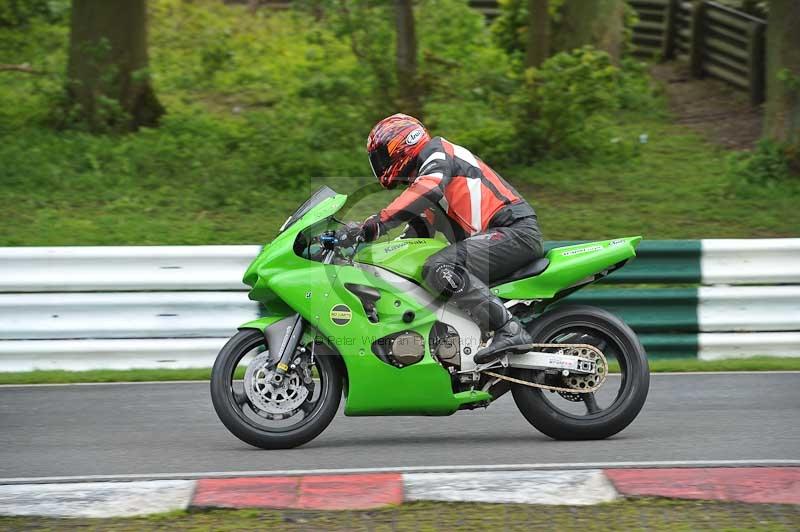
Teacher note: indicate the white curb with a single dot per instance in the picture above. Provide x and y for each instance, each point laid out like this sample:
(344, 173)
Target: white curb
(581, 487)
(96, 499)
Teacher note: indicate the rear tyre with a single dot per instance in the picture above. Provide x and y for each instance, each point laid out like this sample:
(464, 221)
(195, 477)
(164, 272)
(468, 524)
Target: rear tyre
(264, 425)
(595, 326)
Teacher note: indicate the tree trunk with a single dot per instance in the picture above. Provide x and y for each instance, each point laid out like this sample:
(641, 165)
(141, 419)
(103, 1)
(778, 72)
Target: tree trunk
(407, 82)
(107, 71)
(538, 46)
(782, 117)
(596, 22)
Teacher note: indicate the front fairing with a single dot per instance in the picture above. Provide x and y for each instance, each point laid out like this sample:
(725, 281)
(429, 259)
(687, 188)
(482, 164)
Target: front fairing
(285, 281)
(279, 255)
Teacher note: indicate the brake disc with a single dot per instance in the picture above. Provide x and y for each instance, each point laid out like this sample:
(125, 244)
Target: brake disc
(276, 399)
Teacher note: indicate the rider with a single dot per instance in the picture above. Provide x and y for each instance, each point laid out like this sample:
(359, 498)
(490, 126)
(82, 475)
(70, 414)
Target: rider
(493, 230)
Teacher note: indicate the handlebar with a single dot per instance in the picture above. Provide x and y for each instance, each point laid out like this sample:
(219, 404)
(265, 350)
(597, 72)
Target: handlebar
(331, 240)
(328, 241)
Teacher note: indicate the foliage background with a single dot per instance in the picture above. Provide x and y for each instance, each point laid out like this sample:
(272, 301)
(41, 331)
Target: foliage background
(264, 107)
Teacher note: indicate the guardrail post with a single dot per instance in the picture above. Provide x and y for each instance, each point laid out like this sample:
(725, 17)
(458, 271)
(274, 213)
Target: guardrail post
(697, 29)
(670, 29)
(755, 62)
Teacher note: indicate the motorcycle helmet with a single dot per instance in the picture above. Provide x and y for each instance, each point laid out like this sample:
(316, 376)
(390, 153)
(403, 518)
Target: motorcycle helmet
(392, 145)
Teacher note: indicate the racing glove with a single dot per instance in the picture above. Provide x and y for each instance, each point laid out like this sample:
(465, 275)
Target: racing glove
(347, 236)
(372, 228)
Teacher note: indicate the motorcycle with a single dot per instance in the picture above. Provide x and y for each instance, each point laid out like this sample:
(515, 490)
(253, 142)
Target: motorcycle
(351, 319)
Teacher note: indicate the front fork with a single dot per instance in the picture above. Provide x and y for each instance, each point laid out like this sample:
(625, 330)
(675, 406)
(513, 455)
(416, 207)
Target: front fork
(288, 331)
(286, 334)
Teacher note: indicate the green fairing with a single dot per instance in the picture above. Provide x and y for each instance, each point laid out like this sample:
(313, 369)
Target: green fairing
(286, 282)
(571, 266)
(403, 257)
(261, 323)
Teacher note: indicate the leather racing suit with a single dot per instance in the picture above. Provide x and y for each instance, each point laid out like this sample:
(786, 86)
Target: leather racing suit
(493, 231)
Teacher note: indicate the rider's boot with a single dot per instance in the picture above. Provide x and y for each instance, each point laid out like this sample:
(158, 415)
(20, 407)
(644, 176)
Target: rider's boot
(511, 336)
(490, 314)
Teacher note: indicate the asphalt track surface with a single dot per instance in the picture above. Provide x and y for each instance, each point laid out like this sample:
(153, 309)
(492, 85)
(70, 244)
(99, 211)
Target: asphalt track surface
(171, 428)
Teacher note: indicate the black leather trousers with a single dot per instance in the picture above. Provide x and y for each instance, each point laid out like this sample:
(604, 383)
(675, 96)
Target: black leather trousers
(463, 270)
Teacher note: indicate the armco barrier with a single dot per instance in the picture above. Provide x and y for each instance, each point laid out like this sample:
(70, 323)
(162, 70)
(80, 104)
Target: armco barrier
(123, 315)
(205, 268)
(119, 269)
(174, 306)
(762, 262)
(118, 353)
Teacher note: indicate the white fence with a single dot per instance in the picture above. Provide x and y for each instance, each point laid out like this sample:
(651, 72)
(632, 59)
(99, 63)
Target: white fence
(751, 261)
(748, 308)
(123, 315)
(120, 353)
(130, 268)
(174, 306)
(83, 308)
(738, 321)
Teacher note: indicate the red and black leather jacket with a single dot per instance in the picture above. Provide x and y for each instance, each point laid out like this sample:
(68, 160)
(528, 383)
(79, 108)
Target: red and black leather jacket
(453, 184)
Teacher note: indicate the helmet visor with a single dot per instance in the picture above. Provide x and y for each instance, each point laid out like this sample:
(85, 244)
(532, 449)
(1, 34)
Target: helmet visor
(379, 160)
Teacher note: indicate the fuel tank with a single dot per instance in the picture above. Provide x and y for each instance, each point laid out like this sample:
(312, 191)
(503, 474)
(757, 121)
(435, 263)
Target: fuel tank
(403, 257)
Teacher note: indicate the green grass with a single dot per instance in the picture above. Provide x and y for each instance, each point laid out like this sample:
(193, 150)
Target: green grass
(743, 364)
(145, 375)
(641, 514)
(104, 375)
(677, 187)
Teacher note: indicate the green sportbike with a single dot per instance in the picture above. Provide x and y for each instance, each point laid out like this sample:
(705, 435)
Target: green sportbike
(356, 321)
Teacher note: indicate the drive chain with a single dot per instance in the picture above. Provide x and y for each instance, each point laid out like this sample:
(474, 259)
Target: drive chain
(599, 359)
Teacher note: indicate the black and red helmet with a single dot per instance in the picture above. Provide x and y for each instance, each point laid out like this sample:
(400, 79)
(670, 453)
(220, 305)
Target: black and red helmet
(393, 144)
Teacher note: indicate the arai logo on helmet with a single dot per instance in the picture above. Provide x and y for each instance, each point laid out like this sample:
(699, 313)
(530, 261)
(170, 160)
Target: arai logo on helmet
(414, 136)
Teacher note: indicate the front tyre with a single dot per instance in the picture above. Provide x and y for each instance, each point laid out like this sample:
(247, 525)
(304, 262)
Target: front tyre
(587, 416)
(267, 416)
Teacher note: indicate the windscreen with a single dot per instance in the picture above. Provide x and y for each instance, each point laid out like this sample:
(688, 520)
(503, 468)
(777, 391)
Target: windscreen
(316, 198)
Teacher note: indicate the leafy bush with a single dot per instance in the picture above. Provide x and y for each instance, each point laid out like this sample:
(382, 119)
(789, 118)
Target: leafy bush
(510, 28)
(17, 13)
(771, 162)
(259, 104)
(274, 99)
(563, 108)
(768, 165)
(467, 79)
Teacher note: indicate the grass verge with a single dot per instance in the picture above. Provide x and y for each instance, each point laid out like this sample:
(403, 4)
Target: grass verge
(641, 514)
(146, 375)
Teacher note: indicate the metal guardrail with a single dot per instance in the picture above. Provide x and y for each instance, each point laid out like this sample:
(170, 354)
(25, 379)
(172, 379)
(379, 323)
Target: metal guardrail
(129, 268)
(120, 353)
(174, 306)
(204, 268)
(123, 315)
(751, 262)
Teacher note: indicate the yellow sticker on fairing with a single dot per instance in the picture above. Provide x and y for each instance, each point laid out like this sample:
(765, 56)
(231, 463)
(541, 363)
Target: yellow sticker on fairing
(341, 314)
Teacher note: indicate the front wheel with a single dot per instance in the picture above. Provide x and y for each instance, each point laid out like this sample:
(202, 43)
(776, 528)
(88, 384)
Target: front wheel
(269, 414)
(585, 416)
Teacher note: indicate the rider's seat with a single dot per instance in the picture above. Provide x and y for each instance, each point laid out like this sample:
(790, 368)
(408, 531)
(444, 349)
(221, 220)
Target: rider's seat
(531, 270)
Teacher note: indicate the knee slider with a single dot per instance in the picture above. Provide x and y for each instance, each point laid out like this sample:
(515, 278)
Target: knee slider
(446, 279)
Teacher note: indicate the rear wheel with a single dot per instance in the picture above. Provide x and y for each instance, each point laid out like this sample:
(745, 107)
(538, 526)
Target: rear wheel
(585, 416)
(271, 415)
